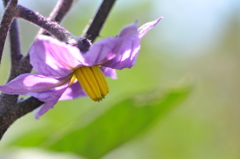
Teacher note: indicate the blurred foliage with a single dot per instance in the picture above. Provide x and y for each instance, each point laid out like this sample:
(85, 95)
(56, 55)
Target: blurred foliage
(115, 126)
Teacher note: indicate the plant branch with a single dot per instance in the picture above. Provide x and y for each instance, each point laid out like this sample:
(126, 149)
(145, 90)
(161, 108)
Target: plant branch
(15, 49)
(10, 109)
(8, 15)
(93, 29)
(6, 99)
(58, 13)
(14, 111)
(5, 2)
(52, 27)
(15, 58)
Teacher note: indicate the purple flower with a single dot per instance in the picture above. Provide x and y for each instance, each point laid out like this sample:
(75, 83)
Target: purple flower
(65, 73)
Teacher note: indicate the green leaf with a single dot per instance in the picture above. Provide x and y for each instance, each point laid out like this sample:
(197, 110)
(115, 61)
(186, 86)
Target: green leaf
(116, 126)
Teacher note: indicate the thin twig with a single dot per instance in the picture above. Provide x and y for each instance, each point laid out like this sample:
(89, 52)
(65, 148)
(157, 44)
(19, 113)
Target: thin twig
(27, 105)
(93, 29)
(15, 49)
(15, 111)
(15, 58)
(52, 27)
(5, 99)
(58, 13)
(15, 45)
(5, 2)
(8, 15)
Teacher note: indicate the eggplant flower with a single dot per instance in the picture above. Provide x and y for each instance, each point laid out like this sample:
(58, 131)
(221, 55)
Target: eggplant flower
(64, 72)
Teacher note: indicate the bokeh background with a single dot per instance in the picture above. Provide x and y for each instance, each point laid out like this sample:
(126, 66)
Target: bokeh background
(197, 43)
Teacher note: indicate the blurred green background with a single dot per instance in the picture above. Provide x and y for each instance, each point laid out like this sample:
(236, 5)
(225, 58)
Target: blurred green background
(196, 45)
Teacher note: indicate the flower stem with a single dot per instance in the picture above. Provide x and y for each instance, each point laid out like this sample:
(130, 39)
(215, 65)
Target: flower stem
(15, 49)
(8, 15)
(93, 29)
(58, 13)
(12, 110)
(52, 27)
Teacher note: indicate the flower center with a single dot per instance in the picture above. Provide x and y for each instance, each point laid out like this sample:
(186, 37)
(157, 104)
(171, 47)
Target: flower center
(92, 81)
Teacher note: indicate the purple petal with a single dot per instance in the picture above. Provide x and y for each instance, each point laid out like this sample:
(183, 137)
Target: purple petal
(129, 30)
(50, 97)
(146, 27)
(109, 72)
(127, 54)
(30, 83)
(102, 51)
(121, 51)
(106, 49)
(74, 91)
(52, 57)
(129, 47)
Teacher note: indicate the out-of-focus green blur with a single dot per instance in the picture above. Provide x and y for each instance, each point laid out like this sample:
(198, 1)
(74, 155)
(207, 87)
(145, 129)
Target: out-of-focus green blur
(197, 42)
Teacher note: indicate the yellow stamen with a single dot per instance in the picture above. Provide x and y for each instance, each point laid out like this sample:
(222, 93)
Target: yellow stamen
(100, 79)
(72, 80)
(92, 81)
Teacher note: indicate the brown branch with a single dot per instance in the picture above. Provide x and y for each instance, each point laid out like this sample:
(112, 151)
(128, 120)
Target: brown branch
(15, 50)
(10, 109)
(52, 27)
(58, 13)
(9, 14)
(93, 29)
(13, 111)
(5, 2)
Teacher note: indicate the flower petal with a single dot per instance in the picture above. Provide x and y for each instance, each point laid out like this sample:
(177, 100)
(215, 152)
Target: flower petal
(121, 51)
(127, 54)
(52, 57)
(106, 49)
(146, 27)
(102, 51)
(129, 30)
(129, 46)
(109, 72)
(30, 83)
(74, 91)
(50, 97)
